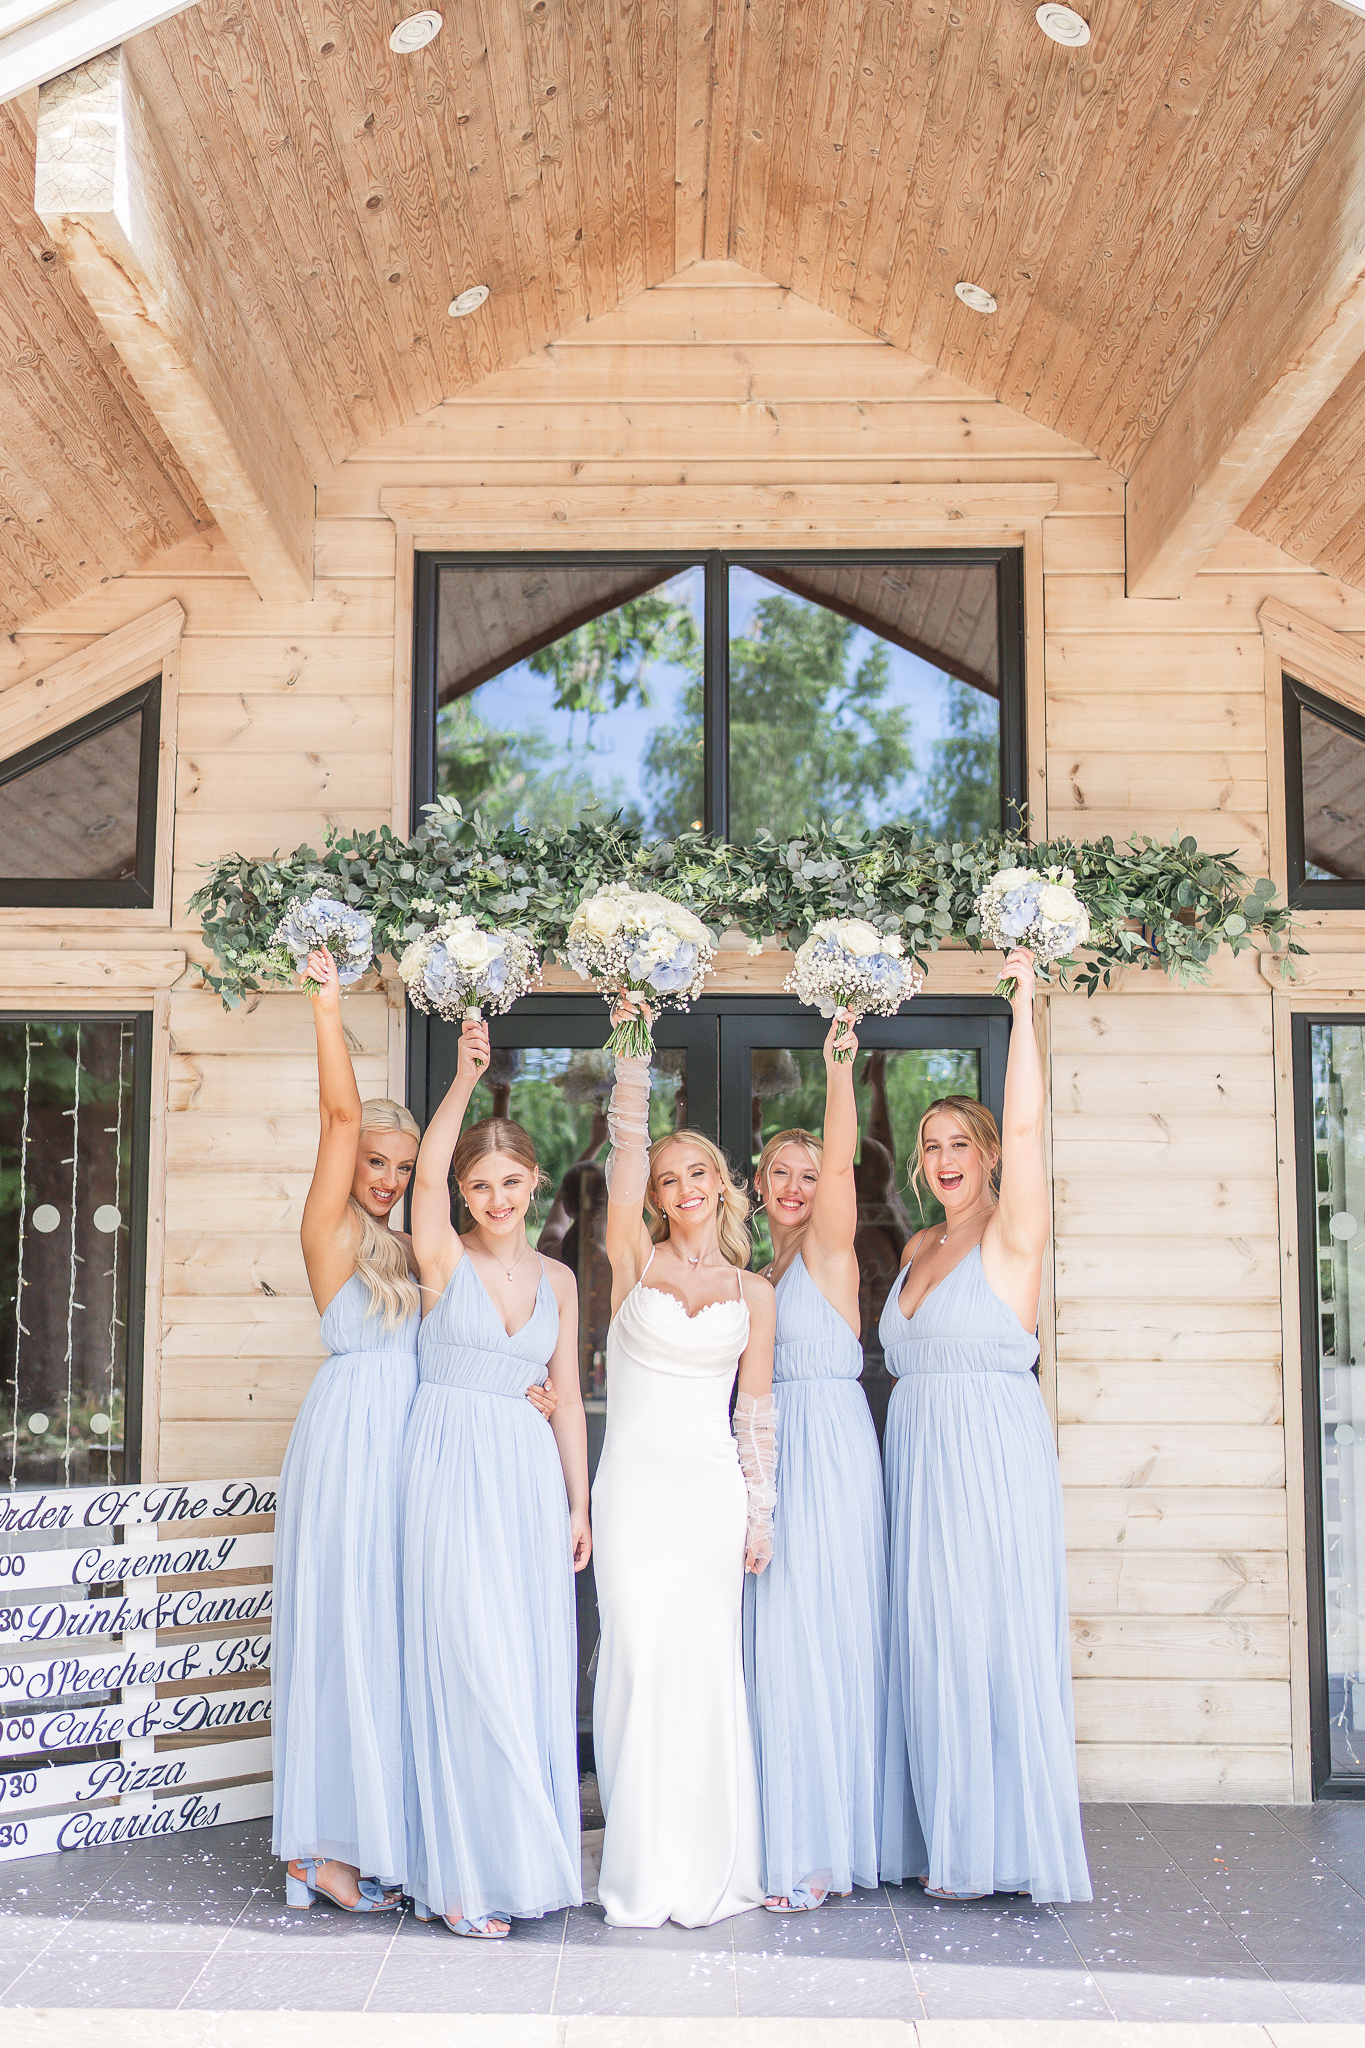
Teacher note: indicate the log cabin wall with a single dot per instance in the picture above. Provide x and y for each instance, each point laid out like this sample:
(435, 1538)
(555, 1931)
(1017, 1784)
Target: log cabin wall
(714, 392)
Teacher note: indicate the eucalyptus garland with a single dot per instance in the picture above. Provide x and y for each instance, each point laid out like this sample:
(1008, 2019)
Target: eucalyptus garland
(1169, 906)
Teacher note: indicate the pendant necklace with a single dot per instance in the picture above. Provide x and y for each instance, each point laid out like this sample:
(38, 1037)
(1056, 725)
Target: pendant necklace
(510, 1270)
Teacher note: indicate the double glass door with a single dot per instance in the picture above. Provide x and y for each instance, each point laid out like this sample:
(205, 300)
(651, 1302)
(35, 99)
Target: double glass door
(738, 1069)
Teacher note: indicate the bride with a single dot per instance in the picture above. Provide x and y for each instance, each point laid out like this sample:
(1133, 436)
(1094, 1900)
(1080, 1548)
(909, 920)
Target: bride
(673, 1532)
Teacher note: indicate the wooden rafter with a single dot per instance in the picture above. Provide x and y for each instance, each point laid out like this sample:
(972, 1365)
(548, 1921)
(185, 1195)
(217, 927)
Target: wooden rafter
(40, 39)
(108, 193)
(1294, 332)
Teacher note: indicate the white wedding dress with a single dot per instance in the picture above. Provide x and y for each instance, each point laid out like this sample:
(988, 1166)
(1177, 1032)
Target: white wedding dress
(675, 1758)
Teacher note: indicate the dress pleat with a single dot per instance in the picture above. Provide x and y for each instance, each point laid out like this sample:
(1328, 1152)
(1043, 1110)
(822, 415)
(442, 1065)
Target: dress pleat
(815, 1620)
(980, 1762)
(337, 1718)
(490, 1641)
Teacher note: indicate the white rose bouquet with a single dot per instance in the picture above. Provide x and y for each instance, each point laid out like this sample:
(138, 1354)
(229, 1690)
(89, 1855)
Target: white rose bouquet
(631, 942)
(460, 970)
(1033, 907)
(848, 967)
(320, 920)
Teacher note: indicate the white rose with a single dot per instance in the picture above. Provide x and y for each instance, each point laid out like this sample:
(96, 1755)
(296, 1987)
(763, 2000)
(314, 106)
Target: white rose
(1058, 905)
(892, 944)
(470, 950)
(1011, 878)
(860, 939)
(684, 925)
(602, 916)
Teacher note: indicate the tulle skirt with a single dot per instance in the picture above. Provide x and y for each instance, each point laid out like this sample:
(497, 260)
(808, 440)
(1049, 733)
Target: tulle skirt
(981, 1761)
(337, 1713)
(815, 1642)
(490, 1659)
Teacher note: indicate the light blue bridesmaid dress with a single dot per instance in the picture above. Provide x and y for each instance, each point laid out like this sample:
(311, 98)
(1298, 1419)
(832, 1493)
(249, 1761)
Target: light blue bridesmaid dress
(980, 1749)
(337, 1716)
(815, 1620)
(489, 1638)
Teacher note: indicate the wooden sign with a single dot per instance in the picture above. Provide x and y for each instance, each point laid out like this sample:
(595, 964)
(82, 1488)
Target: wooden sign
(96, 1827)
(189, 1713)
(57, 1678)
(191, 1607)
(66, 1578)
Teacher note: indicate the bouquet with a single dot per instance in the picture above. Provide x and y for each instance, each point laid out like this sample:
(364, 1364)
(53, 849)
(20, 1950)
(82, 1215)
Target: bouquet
(1037, 908)
(460, 970)
(320, 920)
(848, 966)
(630, 942)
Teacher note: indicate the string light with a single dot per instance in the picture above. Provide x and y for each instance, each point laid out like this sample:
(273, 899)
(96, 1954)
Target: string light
(19, 1331)
(75, 1115)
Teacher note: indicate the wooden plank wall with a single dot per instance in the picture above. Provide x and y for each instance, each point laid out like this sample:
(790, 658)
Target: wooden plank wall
(1169, 1386)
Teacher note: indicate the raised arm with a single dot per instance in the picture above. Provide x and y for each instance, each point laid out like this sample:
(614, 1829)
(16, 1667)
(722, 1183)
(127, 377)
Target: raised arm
(568, 1421)
(1019, 1228)
(627, 1169)
(435, 1240)
(834, 1210)
(756, 1422)
(327, 1234)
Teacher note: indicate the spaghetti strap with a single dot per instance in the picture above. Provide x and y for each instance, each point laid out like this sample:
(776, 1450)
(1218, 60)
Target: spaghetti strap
(739, 1281)
(648, 1263)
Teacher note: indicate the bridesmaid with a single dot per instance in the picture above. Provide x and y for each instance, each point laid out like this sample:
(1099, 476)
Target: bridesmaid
(980, 1758)
(815, 1623)
(334, 1638)
(495, 1524)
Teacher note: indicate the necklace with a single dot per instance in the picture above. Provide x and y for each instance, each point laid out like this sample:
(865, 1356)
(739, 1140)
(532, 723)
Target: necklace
(508, 1270)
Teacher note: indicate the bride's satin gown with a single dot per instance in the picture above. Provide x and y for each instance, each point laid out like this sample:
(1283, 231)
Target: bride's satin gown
(675, 1759)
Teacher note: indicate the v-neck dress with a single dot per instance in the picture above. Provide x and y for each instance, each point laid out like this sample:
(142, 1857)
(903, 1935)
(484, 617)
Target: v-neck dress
(337, 1724)
(815, 1621)
(675, 1758)
(980, 1743)
(489, 1638)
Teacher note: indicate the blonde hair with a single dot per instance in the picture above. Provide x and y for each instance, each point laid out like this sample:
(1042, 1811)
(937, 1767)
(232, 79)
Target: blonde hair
(979, 1125)
(731, 1211)
(815, 1146)
(381, 1259)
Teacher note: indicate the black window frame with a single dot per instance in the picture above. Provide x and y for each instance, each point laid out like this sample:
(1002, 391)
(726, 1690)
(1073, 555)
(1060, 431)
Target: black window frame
(139, 893)
(139, 1194)
(1324, 1784)
(715, 563)
(1298, 697)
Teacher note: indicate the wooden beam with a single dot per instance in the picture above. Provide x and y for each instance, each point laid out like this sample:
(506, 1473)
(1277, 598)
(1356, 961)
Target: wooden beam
(40, 39)
(108, 192)
(1294, 331)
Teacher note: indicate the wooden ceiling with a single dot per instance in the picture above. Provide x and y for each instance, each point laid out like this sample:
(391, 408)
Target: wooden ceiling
(569, 153)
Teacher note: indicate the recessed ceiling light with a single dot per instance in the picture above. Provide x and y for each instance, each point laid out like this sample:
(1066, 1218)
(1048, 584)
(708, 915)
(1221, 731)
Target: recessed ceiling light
(1063, 24)
(415, 33)
(976, 296)
(468, 302)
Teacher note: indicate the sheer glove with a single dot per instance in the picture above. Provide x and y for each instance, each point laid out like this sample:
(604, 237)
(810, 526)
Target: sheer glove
(756, 1437)
(628, 1123)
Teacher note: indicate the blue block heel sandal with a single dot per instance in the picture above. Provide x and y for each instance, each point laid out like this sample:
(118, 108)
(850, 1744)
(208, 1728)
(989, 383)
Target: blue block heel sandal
(805, 1897)
(300, 1892)
(477, 1930)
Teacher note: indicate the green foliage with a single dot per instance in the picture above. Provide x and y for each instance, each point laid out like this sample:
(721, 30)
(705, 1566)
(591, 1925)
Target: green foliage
(602, 665)
(1151, 905)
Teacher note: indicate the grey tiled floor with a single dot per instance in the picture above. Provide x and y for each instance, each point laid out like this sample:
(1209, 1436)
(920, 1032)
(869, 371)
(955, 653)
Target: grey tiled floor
(1201, 1913)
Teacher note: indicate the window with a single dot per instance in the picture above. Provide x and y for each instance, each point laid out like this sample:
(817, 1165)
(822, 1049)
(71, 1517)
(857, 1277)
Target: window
(724, 693)
(1329, 1087)
(78, 810)
(73, 1201)
(1324, 760)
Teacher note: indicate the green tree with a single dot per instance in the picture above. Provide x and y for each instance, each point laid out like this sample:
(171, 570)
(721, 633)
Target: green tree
(597, 668)
(961, 798)
(502, 773)
(809, 736)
